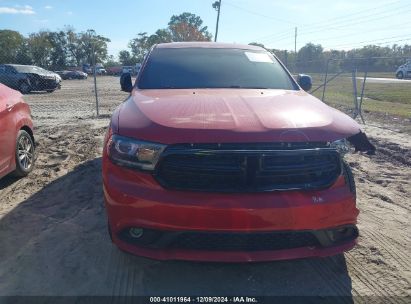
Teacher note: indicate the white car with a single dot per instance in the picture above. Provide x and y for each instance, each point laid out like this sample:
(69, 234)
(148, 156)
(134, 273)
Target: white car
(404, 71)
(128, 69)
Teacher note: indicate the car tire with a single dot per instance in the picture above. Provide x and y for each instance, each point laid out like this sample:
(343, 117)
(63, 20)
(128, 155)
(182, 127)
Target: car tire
(24, 87)
(50, 91)
(400, 75)
(24, 154)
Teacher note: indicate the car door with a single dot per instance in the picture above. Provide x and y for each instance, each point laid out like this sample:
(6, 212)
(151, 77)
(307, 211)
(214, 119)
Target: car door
(3, 76)
(7, 129)
(12, 77)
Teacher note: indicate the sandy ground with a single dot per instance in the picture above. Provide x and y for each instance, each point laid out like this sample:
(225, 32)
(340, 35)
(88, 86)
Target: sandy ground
(54, 241)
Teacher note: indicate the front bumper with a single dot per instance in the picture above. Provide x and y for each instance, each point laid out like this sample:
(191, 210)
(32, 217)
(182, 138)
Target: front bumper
(135, 199)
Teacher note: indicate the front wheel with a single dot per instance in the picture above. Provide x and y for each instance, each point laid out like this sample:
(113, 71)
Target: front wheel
(24, 154)
(400, 75)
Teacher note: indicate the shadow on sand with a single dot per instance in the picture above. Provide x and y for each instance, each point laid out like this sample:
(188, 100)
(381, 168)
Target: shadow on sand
(56, 243)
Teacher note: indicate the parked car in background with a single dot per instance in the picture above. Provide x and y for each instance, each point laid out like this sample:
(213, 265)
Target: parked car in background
(404, 71)
(87, 68)
(218, 154)
(101, 71)
(128, 69)
(114, 71)
(16, 134)
(72, 75)
(132, 69)
(27, 78)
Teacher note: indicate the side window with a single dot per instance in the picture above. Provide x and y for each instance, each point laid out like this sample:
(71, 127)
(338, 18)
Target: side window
(10, 70)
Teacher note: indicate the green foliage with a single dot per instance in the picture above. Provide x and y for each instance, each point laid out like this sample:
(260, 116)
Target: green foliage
(53, 50)
(126, 58)
(188, 27)
(111, 62)
(183, 27)
(11, 43)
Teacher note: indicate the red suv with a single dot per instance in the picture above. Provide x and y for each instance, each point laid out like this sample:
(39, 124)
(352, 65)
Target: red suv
(219, 154)
(16, 134)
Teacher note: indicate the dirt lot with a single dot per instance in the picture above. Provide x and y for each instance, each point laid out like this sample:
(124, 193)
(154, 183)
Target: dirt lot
(53, 236)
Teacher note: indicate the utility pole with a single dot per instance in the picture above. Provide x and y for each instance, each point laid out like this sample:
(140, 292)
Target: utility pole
(93, 58)
(295, 41)
(217, 6)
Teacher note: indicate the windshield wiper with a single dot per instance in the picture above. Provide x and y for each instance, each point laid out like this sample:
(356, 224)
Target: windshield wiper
(241, 87)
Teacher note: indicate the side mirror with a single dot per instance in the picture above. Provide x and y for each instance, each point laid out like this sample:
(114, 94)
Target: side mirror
(125, 82)
(305, 82)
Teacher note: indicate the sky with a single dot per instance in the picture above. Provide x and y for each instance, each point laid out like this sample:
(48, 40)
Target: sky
(335, 24)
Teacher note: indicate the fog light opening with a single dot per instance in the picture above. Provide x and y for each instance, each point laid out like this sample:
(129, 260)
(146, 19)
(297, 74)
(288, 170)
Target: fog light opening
(136, 233)
(343, 231)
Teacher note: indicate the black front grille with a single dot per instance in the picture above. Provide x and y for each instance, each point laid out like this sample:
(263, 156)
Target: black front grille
(244, 241)
(240, 241)
(214, 169)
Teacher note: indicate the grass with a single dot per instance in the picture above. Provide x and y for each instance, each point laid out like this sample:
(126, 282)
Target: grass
(390, 98)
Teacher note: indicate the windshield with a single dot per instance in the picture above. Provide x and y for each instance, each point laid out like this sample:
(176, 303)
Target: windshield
(187, 68)
(28, 69)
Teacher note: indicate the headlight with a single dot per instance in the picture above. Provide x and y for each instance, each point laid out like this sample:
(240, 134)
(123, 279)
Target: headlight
(341, 145)
(133, 153)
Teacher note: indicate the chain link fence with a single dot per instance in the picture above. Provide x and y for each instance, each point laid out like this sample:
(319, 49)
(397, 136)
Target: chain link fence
(72, 92)
(380, 86)
(356, 85)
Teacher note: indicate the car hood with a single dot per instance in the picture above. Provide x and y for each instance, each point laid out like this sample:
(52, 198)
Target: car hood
(46, 74)
(230, 115)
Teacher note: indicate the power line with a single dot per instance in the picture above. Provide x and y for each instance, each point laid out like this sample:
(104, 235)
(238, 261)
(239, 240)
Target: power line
(350, 17)
(352, 14)
(350, 24)
(375, 40)
(341, 25)
(259, 14)
(361, 33)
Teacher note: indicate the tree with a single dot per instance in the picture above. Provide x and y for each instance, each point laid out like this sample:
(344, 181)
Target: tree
(111, 62)
(81, 46)
(183, 27)
(310, 57)
(126, 58)
(91, 42)
(139, 46)
(40, 48)
(11, 43)
(142, 44)
(188, 27)
(59, 55)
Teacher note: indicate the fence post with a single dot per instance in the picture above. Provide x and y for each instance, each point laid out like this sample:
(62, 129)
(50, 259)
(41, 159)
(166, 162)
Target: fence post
(355, 91)
(95, 82)
(362, 90)
(91, 34)
(325, 79)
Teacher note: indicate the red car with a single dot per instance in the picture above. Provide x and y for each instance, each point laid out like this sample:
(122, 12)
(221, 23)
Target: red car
(219, 154)
(16, 134)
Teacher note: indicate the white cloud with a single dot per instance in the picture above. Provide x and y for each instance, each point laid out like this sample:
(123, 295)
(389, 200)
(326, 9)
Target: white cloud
(48, 7)
(18, 9)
